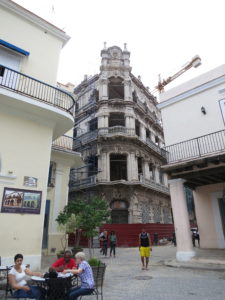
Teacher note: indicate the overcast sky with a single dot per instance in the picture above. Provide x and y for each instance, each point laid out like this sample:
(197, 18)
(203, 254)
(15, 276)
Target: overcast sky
(162, 35)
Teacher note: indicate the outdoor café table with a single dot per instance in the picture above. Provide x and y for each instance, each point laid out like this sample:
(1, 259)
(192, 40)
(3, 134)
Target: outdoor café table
(56, 288)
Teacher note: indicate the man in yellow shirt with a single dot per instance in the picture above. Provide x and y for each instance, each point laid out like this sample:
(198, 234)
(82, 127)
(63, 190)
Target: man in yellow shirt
(144, 247)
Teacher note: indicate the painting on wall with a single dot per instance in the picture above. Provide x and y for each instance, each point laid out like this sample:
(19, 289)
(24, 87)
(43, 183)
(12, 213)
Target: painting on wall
(21, 201)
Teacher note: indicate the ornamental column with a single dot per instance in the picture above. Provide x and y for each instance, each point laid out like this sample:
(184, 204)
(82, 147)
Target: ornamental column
(103, 89)
(181, 220)
(127, 90)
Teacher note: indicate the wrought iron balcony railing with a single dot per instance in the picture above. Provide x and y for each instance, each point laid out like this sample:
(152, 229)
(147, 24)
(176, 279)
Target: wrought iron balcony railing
(64, 142)
(197, 147)
(41, 91)
(83, 183)
(112, 131)
(92, 181)
(154, 185)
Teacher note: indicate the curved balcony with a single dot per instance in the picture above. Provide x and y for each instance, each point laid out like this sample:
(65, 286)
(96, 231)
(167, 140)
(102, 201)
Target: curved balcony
(91, 136)
(31, 87)
(91, 181)
(64, 143)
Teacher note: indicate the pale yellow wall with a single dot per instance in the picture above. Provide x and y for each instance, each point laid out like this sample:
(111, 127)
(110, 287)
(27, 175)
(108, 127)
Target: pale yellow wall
(44, 48)
(25, 150)
(58, 196)
(208, 221)
(184, 120)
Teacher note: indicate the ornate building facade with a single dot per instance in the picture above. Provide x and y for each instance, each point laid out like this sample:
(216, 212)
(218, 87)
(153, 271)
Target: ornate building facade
(118, 131)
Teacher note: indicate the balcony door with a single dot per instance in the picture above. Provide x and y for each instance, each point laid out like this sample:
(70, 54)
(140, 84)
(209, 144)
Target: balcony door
(10, 60)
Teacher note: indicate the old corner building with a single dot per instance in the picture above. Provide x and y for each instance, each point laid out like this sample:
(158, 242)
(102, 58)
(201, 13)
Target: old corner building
(118, 131)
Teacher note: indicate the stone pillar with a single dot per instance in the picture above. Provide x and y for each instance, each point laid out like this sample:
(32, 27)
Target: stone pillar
(146, 170)
(157, 170)
(127, 90)
(103, 161)
(103, 90)
(143, 132)
(133, 168)
(181, 220)
(101, 121)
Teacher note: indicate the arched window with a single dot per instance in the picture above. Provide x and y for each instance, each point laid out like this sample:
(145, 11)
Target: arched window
(116, 88)
(119, 214)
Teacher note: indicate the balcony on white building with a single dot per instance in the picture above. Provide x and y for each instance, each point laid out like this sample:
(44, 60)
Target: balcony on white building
(26, 94)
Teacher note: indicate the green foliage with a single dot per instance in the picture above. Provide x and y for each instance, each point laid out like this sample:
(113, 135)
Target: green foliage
(85, 214)
(94, 262)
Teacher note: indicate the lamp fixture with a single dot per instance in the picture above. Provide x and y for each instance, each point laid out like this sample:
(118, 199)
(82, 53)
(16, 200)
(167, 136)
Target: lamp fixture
(203, 110)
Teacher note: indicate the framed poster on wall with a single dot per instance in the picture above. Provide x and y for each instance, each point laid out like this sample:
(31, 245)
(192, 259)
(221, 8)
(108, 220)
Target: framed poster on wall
(20, 201)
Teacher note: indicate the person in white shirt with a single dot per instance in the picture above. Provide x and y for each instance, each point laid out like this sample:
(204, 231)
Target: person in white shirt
(17, 280)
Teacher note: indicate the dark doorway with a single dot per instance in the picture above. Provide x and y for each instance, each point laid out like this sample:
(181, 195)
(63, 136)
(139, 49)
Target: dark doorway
(46, 223)
(116, 119)
(119, 214)
(118, 167)
(222, 212)
(140, 166)
(92, 165)
(137, 128)
(93, 124)
(116, 88)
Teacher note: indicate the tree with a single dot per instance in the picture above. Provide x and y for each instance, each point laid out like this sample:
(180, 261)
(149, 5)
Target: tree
(90, 213)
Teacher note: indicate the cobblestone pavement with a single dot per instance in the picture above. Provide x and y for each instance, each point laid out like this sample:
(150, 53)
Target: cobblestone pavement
(125, 280)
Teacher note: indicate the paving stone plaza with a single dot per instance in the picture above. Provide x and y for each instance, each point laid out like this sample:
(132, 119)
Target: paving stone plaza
(125, 279)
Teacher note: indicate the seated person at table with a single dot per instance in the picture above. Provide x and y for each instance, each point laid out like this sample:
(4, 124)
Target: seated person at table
(66, 262)
(85, 273)
(18, 283)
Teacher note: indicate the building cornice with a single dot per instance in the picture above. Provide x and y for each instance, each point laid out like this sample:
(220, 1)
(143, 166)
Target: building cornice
(38, 21)
(192, 92)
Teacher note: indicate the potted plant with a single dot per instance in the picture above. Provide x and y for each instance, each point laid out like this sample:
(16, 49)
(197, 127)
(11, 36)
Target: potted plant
(98, 269)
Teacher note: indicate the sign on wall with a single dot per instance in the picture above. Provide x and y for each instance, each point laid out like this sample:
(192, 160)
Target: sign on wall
(21, 201)
(30, 181)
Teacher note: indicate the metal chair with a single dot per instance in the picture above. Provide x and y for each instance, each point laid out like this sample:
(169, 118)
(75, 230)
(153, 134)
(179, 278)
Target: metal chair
(98, 274)
(58, 288)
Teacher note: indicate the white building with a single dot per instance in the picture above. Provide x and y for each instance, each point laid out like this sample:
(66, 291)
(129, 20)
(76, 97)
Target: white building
(193, 120)
(33, 114)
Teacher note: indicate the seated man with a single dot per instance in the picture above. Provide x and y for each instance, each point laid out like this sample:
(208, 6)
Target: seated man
(66, 262)
(85, 273)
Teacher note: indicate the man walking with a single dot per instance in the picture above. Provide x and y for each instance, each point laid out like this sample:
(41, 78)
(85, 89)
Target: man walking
(144, 247)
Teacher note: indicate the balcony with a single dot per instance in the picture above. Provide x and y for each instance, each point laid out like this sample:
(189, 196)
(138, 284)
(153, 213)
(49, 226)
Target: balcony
(91, 136)
(88, 182)
(33, 88)
(64, 143)
(203, 146)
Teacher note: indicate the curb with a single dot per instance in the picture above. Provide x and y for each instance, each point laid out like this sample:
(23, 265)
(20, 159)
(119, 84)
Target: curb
(209, 267)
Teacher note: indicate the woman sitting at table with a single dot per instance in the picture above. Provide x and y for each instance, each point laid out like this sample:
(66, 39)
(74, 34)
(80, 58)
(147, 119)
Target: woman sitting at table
(85, 273)
(18, 282)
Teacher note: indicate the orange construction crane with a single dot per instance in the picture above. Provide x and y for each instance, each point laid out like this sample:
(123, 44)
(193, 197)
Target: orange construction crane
(195, 62)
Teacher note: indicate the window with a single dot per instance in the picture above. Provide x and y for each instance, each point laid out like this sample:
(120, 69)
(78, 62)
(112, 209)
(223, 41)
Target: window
(134, 96)
(152, 171)
(119, 214)
(92, 165)
(118, 167)
(93, 124)
(137, 127)
(148, 134)
(116, 88)
(157, 140)
(161, 177)
(140, 166)
(116, 119)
